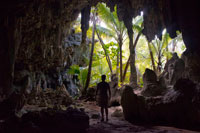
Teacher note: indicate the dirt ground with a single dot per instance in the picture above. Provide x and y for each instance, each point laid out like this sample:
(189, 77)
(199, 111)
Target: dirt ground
(117, 124)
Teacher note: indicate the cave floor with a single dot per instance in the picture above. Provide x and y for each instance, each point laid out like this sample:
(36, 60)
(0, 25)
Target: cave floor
(117, 124)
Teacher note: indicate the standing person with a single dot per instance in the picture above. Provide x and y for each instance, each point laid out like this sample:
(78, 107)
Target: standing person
(103, 89)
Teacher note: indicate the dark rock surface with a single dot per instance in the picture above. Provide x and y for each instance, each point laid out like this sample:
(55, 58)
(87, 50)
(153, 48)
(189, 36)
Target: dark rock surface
(151, 85)
(48, 121)
(178, 107)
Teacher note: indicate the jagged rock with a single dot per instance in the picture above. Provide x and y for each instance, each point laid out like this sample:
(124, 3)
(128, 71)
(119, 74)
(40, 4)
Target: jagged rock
(117, 113)
(50, 97)
(115, 91)
(173, 70)
(91, 92)
(95, 116)
(192, 65)
(48, 121)
(151, 85)
(177, 107)
(133, 105)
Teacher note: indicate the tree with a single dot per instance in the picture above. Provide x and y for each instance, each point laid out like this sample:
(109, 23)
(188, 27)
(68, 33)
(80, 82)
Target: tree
(117, 29)
(91, 52)
(128, 62)
(152, 57)
(105, 50)
(161, 51)
(133, 29)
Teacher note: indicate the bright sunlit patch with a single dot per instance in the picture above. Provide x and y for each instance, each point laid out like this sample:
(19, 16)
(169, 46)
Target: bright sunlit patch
(141, 13)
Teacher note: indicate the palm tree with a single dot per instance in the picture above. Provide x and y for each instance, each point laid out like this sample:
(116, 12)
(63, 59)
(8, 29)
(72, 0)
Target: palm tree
(117, 29)
(132, 29)
(99, 31)
(160, 47)
(152, 57)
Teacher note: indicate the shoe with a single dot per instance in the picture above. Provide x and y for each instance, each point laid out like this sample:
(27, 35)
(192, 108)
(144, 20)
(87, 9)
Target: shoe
(106, 119)
(102, 119)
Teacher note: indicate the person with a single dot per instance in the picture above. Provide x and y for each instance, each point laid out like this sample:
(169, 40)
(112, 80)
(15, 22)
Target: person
(102, 96)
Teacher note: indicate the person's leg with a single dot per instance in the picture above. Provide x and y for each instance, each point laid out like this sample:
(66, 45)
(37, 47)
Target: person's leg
(102, 113)
(106, 110)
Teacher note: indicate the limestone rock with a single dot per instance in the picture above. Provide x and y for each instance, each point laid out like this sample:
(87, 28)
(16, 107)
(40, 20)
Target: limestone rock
(115, 91)
(47, 121)
(51, 97)
(133, 106)
(174, 70)
(178, 107)
(151, 85)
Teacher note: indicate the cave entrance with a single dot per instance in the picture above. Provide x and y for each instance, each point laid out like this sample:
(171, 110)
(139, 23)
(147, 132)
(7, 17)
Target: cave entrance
(111, 53)
(58, 65)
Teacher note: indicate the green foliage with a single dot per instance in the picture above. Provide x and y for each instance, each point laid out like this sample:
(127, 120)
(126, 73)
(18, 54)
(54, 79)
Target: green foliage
(111, 20)
(83, 75)
(74, 69)
(109, 29)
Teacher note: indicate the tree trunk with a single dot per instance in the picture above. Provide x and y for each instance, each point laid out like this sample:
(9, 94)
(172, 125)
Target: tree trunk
(91, 55)
(126, 68)
(107, 56)
(152, 59)
(128, 62)
(117, 68)
(120, 57)
(174, 45)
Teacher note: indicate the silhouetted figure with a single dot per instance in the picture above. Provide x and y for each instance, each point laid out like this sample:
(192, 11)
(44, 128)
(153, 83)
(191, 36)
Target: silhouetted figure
(103, 89)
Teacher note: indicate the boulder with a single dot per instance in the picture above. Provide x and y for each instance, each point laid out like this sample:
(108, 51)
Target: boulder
(133, 105)
(48, 121)
(178, 107)
(151, 85)
(115, 91)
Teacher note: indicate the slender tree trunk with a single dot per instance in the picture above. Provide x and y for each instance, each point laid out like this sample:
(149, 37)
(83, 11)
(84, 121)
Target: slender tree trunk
(126, 68)
(159, 64)
(107, 56)
(152, 59)
(91, 54)
(128, 62)
(117, 69)
(174, 45)
(120, 57)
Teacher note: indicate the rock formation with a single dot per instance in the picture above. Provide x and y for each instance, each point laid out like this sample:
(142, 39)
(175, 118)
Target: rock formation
(48, 121)
(151, 85)
(177, 107)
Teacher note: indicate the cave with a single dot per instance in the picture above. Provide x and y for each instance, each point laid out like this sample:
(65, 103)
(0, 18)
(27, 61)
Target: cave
(34, 55)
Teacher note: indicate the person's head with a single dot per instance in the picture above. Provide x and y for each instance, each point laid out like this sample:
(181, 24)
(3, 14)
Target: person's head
(103, 77)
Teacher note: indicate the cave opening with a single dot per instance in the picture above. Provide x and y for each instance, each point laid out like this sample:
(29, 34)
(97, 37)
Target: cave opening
(52, 59)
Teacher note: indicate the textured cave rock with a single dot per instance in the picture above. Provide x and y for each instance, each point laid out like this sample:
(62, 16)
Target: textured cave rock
(48, 121)
(178, 107)
(151, 85)
(173, 71)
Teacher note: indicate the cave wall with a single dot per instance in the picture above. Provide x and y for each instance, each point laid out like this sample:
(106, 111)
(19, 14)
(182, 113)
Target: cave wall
(32, 37)
(32, 32)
